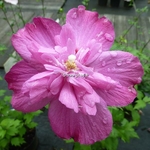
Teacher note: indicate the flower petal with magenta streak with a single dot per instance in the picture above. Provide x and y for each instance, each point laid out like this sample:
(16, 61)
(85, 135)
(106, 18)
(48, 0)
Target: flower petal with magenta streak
(18, 74)
(120, 66)
(85, 129)
(23, 103)
(87, 26)
(119, 96)
(67, 97)
(39, 33)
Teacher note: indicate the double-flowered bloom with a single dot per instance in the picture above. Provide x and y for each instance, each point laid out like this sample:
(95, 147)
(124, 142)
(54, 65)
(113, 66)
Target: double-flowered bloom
(72, 68)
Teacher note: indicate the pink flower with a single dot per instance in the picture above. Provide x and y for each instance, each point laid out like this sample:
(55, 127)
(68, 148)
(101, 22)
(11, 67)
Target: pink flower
(71, 68)
(14, 2)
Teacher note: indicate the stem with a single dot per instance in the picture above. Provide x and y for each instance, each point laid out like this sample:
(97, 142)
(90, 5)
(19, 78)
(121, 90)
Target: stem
(21, 16)
(15, 19)
(7, 20)
(144, 45)
(130, 26)
(43, 9)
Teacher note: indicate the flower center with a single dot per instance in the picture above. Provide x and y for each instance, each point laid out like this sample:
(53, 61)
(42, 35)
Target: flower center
(70, 63)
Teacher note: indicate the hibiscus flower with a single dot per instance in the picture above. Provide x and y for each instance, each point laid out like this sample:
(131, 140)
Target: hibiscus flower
(71, 68)
(14, 2)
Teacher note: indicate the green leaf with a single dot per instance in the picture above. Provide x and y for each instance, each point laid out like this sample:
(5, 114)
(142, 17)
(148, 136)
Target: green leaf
(117, 114)
(7, 98)
(17, 141)
(114, 132)
(146, 99)
(2, 48)
(126, 131)
(5, 122)
(139, 104)
(69, 141)
(4, 143)
(2, 92)
(22, 131)
(110, 143)
(129, 107)
(140, 94)
(16, 123)
(31, 125)
(1, 78)
(12, 131)
(135, 116)
(78, 146)
(2, 133)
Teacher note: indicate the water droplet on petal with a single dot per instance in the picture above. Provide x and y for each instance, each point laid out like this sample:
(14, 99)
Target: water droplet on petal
(139, 79)
(128, 61)
(103, 63)
(105, 20)
(108, 69)
(113, 54)
(100, 59)
(119, 85)
(99, 34)
(105, 120)
(104, 108)
(119, 63)
(74, 15)
(108, 37)
(131, 89)
(81, 9)
(100, 50)
(113, 69)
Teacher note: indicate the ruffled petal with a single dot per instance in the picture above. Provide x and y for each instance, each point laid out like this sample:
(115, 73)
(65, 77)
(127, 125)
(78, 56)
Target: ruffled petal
(67, 37)
(18, 74)
(98, 80)
(88, 102)
(121, 66)
(28, 40)
(88, 55)
(85, 129)
(81, 84)
(111, 91)
(119, 96)
(56, 85)
(31, 88)
(88, 26)
(23, 103)
(67, 97)
(38, 86)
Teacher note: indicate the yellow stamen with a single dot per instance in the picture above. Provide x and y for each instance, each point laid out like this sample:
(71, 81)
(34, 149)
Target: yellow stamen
(70, 63)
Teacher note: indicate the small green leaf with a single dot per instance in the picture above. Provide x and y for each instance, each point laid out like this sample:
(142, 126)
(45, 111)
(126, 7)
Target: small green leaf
(140, 104)
(22, 131)
(69, 141)
(2, 92)
(135, 116)
(146, 99)
(129, 107)
(110, 143)
(114, 132)
(2, 133)
(78, 146)
(16, 141)
(140, 95)
(4, 143)
(12, 131)
(31, 125)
